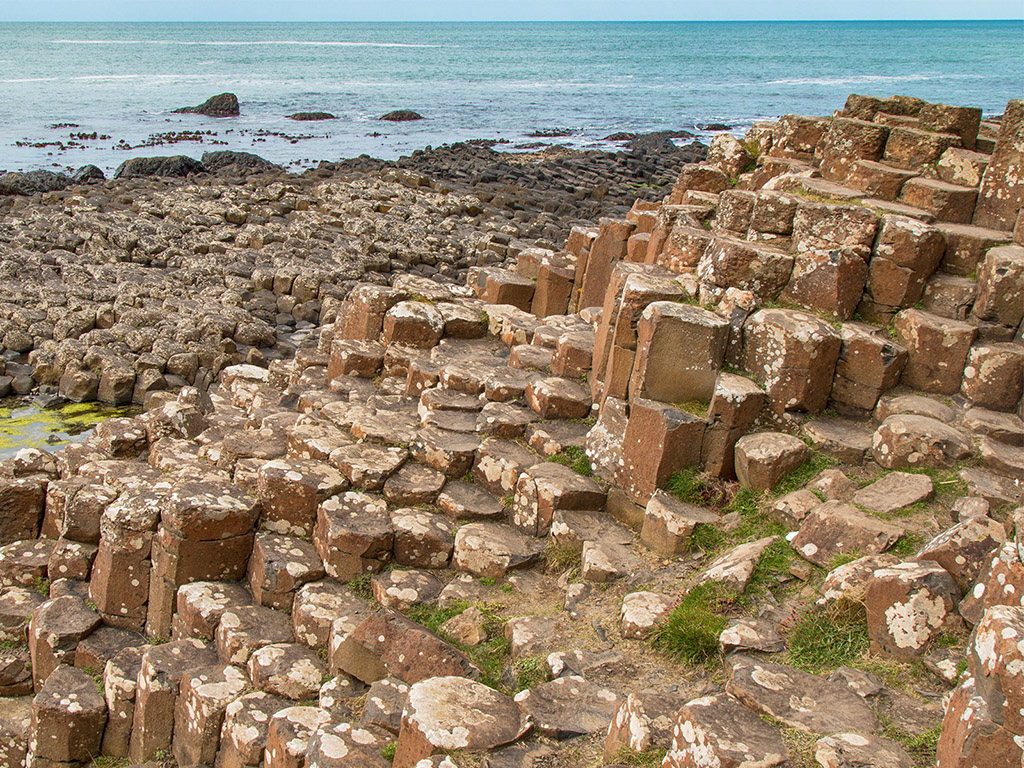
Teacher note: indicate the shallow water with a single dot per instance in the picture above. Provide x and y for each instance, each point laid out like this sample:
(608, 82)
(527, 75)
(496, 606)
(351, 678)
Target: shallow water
(495, 81)
(24, 425)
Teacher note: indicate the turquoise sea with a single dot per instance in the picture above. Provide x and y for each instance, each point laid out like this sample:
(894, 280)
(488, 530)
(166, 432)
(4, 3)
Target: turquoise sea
(473, 80)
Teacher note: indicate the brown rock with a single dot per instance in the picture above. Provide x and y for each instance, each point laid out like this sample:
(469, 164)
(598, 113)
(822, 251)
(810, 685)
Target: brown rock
(907, 605)
(836, 528)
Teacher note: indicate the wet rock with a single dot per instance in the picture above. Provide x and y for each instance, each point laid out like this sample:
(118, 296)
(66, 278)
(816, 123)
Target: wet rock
(176, 165)
(221, 105)
(401, 116)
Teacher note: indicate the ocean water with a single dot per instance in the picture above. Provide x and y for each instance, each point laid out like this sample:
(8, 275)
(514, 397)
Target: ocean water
(474, 80)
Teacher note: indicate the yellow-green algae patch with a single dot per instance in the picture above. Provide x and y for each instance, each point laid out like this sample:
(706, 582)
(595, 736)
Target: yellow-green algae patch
(23, 425)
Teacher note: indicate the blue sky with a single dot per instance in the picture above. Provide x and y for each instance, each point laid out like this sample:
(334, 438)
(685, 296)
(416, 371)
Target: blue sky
(517, 10)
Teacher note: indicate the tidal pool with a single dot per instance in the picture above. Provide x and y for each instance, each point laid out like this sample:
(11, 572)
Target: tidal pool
(24, 425)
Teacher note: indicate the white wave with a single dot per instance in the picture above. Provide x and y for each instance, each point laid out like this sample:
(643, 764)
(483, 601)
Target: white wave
(334, 43)
(30, 80)
(862, 79)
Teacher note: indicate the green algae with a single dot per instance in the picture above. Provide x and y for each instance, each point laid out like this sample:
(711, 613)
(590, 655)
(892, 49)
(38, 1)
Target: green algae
(24, 425)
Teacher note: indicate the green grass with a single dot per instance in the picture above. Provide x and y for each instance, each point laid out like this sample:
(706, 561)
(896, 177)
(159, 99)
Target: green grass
(707, 538)
(801, 476)
(687, 486)
(530, 672)
(560, 557)
(822, 640)
(388, 750)
(432, 617)
(360, 586)
(697, 408)
(907, 546)
(649, 758)
(691, 629)
(920, 747)
(575, 458)
(774, 561)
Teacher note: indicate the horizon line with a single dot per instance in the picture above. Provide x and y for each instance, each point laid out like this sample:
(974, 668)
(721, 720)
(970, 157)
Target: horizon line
(505, 21)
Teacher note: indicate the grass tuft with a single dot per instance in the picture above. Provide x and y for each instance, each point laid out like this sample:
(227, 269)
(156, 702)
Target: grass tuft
(649, 758)
(690, 631)
(388, 751)
(575, 458)
(560, 557)
(821, 640)
(360, 586)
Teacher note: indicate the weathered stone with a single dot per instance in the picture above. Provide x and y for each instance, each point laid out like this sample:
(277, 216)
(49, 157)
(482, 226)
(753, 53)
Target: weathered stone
(422, 539)
(1002, 188)
(284, 669)
(994, 376)
(403, 589)
(1001, 286)
(199, 713)
(289, 734)
(279, 565)
(415, 323)
(414, 484)
(388, 643)
(733, 568)
(463, 501)
(290, 490)
(907, 605)
(848, 140)
(917, 441)
(160, 675)
(604, 561)
(641, 612)
(569, 707)
(938, 349)
(499, 464)
(718, 730)
(201, 604)
(244, 732)
(659, 440)
(680, 349)
(964, 549)
(894, 492)
(56, 628)
(799, 700)
(836, 528)
(68, 715)
(488, 549)
(548, 487)
(244, 629)
(318, 605)
(761, 269)
(793, 355)
(120, 676)
(765, 458)
(869, 364)
(854, 750)
(669, 523)
(353, 535)
(447, 452)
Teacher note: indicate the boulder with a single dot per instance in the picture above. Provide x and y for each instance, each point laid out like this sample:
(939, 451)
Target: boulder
(836, 528)
(917, 441)
(174, 166)
(568, 707)
(718, 730)
(401, 116)
(221, 105)
(907, 605)
(765, 458)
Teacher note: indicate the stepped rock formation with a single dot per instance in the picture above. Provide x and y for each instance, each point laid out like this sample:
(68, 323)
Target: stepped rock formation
(436, 463)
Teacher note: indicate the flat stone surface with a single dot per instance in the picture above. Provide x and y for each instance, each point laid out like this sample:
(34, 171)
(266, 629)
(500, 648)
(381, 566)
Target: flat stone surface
(800, 700)
(894, 492)
(569, 707)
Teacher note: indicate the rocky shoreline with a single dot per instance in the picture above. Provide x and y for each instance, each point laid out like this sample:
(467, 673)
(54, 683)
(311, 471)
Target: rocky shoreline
(670, 456)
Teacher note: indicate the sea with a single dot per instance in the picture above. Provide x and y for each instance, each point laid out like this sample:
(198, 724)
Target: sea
(74, 94)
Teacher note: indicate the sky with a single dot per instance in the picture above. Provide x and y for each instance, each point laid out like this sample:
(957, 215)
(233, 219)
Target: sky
(518, 10)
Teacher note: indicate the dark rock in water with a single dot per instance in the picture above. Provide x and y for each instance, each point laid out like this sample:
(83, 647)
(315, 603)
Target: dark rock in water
(659, 140)
(221, 105)
(244, 162)
(48, 397)
(176, 165)
(401, 116)
(309, 116)
(88, 173)
(620, 136)
(31, 182)
(713, 127)
(552, 133)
